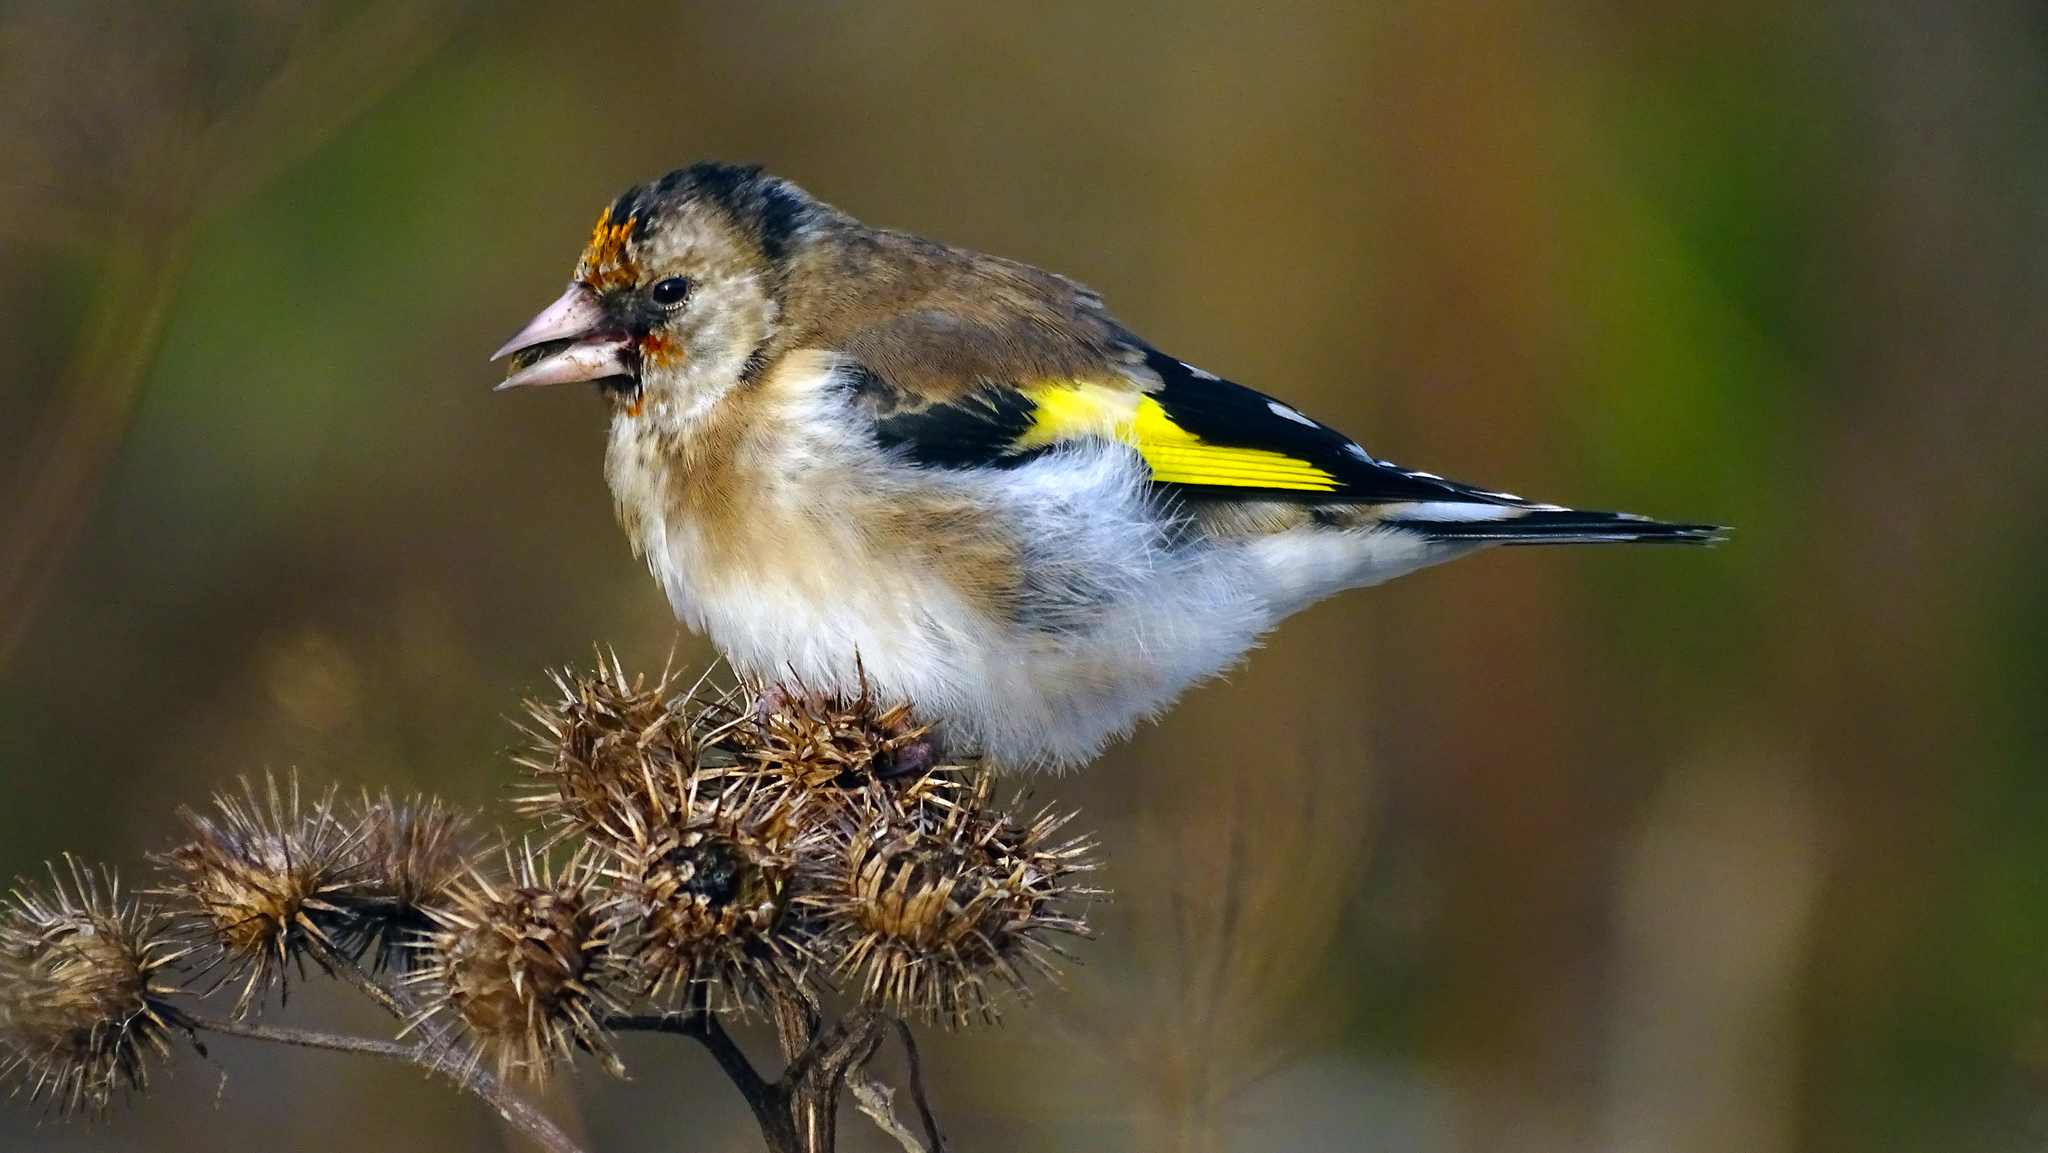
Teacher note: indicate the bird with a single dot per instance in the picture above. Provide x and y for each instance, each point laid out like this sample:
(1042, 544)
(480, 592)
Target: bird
(862, 461)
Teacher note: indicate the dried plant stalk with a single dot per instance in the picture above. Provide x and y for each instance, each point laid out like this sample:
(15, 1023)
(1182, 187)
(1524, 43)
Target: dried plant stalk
(699, 857)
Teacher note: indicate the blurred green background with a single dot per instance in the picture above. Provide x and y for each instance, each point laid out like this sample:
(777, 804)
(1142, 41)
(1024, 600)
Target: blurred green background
(1619, 850)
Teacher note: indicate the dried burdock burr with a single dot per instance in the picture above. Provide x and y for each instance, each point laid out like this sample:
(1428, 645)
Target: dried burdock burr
(82, 1011)
(699, 858)
(604, 736)
(818, 741)
(413, 851)
(937, 901)
(707, 882)
(528, 964)
(267, 877)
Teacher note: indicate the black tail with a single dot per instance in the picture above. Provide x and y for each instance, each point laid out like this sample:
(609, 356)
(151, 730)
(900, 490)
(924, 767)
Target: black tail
(1567, 526)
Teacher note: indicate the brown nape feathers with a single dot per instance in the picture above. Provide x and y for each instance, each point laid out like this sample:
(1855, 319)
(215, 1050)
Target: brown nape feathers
(871, 293)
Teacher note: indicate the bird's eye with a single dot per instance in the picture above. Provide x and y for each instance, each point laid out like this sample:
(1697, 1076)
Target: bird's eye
(672, 291)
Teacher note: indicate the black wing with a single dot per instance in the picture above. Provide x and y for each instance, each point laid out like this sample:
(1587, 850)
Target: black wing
(1204, 437)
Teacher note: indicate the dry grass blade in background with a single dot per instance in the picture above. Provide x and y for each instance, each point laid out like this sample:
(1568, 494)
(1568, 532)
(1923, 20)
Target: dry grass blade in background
(1232, 901)
(127, 128)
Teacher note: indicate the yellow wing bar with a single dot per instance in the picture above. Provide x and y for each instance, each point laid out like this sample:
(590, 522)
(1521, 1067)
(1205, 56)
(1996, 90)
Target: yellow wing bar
(1066, 410)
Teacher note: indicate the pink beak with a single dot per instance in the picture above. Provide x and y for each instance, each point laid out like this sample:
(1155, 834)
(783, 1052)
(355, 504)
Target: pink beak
(597, 352)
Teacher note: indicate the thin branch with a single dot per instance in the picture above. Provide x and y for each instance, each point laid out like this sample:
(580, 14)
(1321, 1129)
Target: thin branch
(331, 960)
(795, 1017)
(790, 1108)
(303, 1038)
(770, 1102)
(448, 1053)
(934, 1140)
(394, 1000)
(436, 1051)
(878, 1101)
(683, 1024)
(466, 1075)
(829, 1055)
(706, 1028)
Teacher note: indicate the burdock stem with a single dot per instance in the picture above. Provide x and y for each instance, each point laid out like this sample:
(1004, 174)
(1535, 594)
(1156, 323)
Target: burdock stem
(438, 1052)
(935, 1140)
(706, 1028)
(334, 962)
(434, 1058)
(796, 1112)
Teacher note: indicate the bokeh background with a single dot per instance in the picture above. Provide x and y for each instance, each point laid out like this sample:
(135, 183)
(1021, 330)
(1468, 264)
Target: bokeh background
(1617, 850)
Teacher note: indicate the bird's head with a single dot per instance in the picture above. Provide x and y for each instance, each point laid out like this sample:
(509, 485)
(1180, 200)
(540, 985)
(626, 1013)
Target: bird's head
(676, 295)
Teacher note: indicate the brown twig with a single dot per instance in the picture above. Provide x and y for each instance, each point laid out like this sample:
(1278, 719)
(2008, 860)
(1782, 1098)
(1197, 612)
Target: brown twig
(934, 1140)
(812, 1081)
(794, 1013)
(332, 961)
(796, 1111)
(465, 1071)
(705, 1027)
(830, 1053)
(434, 1058)
(303, 1038)
(878, 1101)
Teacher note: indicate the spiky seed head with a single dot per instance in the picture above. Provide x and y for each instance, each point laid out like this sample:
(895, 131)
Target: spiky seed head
(937, 901)
(707, 883)
(820, 742)
(82, 1011)
(604, 736)
(413, 852)
(267, 876)
(527, 964)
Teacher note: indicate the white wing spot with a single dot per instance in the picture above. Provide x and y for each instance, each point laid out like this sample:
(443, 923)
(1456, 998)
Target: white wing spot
(1424, 475)
(1199, 374)
(1281, 410)
(1358, 452)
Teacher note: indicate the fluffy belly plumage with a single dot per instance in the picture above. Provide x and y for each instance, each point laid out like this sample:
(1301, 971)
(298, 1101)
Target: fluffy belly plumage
(1033, 656)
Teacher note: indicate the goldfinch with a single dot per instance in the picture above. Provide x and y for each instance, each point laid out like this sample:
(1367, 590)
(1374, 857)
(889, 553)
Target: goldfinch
(853, 456)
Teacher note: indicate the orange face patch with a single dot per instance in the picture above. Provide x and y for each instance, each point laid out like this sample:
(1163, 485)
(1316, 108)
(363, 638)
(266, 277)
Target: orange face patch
(656, 351)
(605, 265)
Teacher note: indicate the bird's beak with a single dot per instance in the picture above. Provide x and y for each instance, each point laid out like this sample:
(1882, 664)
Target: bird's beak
(584, 345)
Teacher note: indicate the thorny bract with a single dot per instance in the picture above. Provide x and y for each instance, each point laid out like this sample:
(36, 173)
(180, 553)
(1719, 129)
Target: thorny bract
(699, 858)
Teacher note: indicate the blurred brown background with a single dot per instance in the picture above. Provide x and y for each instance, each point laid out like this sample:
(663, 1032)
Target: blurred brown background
(1547, 850)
